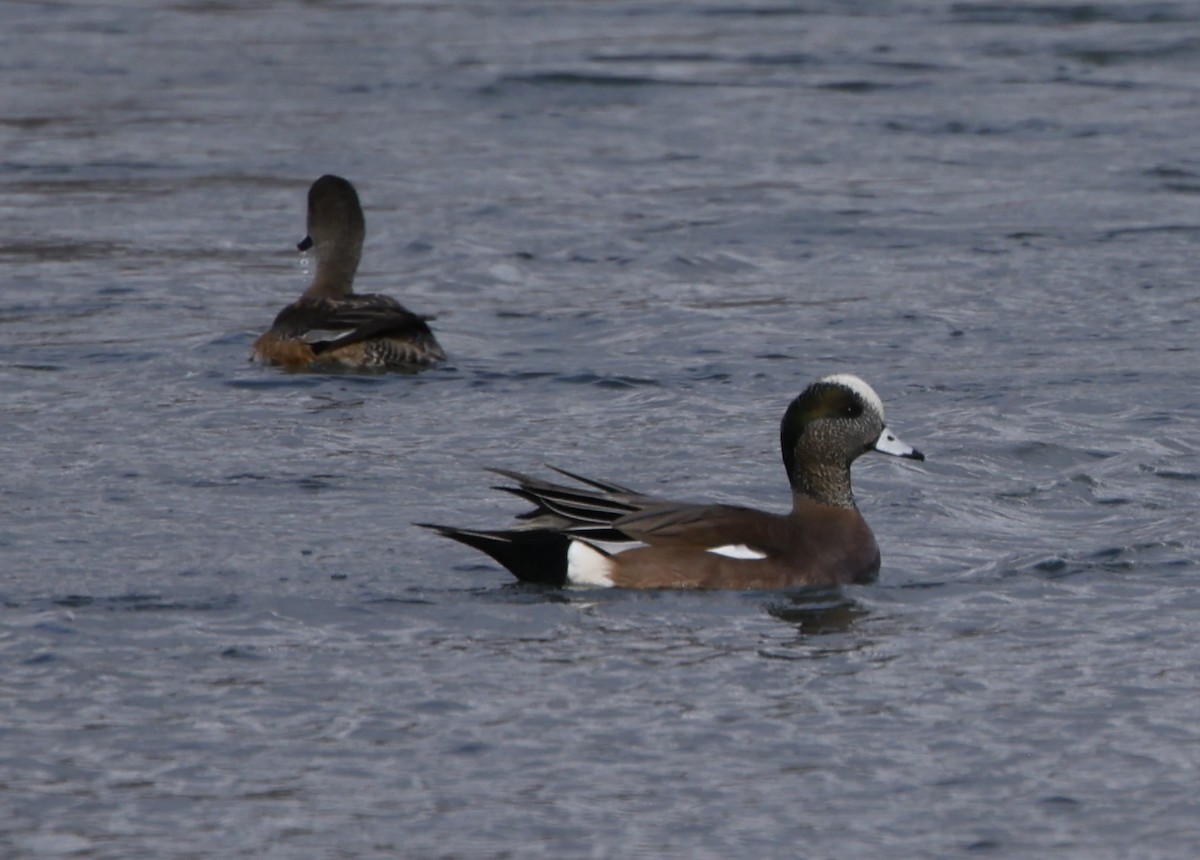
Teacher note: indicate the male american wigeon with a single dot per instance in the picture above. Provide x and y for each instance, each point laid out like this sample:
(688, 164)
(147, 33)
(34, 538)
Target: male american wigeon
(573, 535)
(329, 324)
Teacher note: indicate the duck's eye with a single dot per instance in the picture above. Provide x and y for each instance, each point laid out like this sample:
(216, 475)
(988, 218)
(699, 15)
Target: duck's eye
(851, 410)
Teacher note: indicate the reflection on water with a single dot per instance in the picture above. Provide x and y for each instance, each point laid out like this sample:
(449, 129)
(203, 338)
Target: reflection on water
(817, 612)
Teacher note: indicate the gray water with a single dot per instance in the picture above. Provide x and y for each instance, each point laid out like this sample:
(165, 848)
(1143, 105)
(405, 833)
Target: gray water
(643, 227)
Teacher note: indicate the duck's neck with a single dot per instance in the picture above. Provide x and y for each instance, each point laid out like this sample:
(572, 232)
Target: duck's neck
(826, 484)
(334, 277)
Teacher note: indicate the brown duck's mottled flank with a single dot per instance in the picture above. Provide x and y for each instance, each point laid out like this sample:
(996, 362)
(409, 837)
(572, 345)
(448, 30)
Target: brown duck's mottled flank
(823, 540)
(330, 324)
(289, 353)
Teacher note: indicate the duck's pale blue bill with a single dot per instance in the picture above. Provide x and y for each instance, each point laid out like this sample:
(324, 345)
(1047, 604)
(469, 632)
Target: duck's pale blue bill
(305, 243)
(889, 443)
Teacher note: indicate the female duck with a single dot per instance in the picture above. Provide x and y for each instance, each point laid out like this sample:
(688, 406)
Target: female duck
(331, 325)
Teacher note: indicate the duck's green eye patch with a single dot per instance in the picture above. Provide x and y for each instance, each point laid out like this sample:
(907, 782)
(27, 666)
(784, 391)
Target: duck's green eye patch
(820, 400)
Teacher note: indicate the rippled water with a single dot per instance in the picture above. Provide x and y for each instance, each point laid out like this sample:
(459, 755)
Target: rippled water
(643, 228)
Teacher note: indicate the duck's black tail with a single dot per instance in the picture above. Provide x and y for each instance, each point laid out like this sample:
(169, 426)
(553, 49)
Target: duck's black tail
(531, 555)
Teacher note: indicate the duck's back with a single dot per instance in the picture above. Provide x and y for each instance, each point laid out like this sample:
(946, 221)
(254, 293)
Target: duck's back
(370, 331)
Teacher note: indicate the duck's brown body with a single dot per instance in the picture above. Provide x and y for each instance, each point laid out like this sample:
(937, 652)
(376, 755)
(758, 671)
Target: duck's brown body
(813, 545)
(369, 331)
(823, 540)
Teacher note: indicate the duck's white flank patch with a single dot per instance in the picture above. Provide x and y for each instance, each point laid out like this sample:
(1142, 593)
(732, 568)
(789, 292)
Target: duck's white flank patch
(737, 550)
(859, 387)
(586, 565)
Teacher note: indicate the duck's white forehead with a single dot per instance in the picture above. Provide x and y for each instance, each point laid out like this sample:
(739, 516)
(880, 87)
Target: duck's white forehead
(866, 392)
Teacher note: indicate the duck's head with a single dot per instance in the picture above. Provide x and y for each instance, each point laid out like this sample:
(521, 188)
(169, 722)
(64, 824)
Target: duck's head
(826, 428)
(335, 228)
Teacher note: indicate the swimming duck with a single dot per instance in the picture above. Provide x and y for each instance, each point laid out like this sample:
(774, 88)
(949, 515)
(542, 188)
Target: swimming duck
(605, 534)
(332, 325)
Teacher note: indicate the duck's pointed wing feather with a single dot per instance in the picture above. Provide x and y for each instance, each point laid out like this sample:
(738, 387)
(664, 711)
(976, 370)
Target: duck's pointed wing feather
(606, 486)
(575, 506)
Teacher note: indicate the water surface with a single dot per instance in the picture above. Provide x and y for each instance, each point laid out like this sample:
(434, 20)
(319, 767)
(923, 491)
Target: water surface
(643, 229)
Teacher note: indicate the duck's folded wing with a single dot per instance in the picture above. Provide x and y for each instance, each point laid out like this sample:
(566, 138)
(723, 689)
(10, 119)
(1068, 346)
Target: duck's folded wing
(575, 504)
(587, 510)
(706, 527)
(333, 323)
